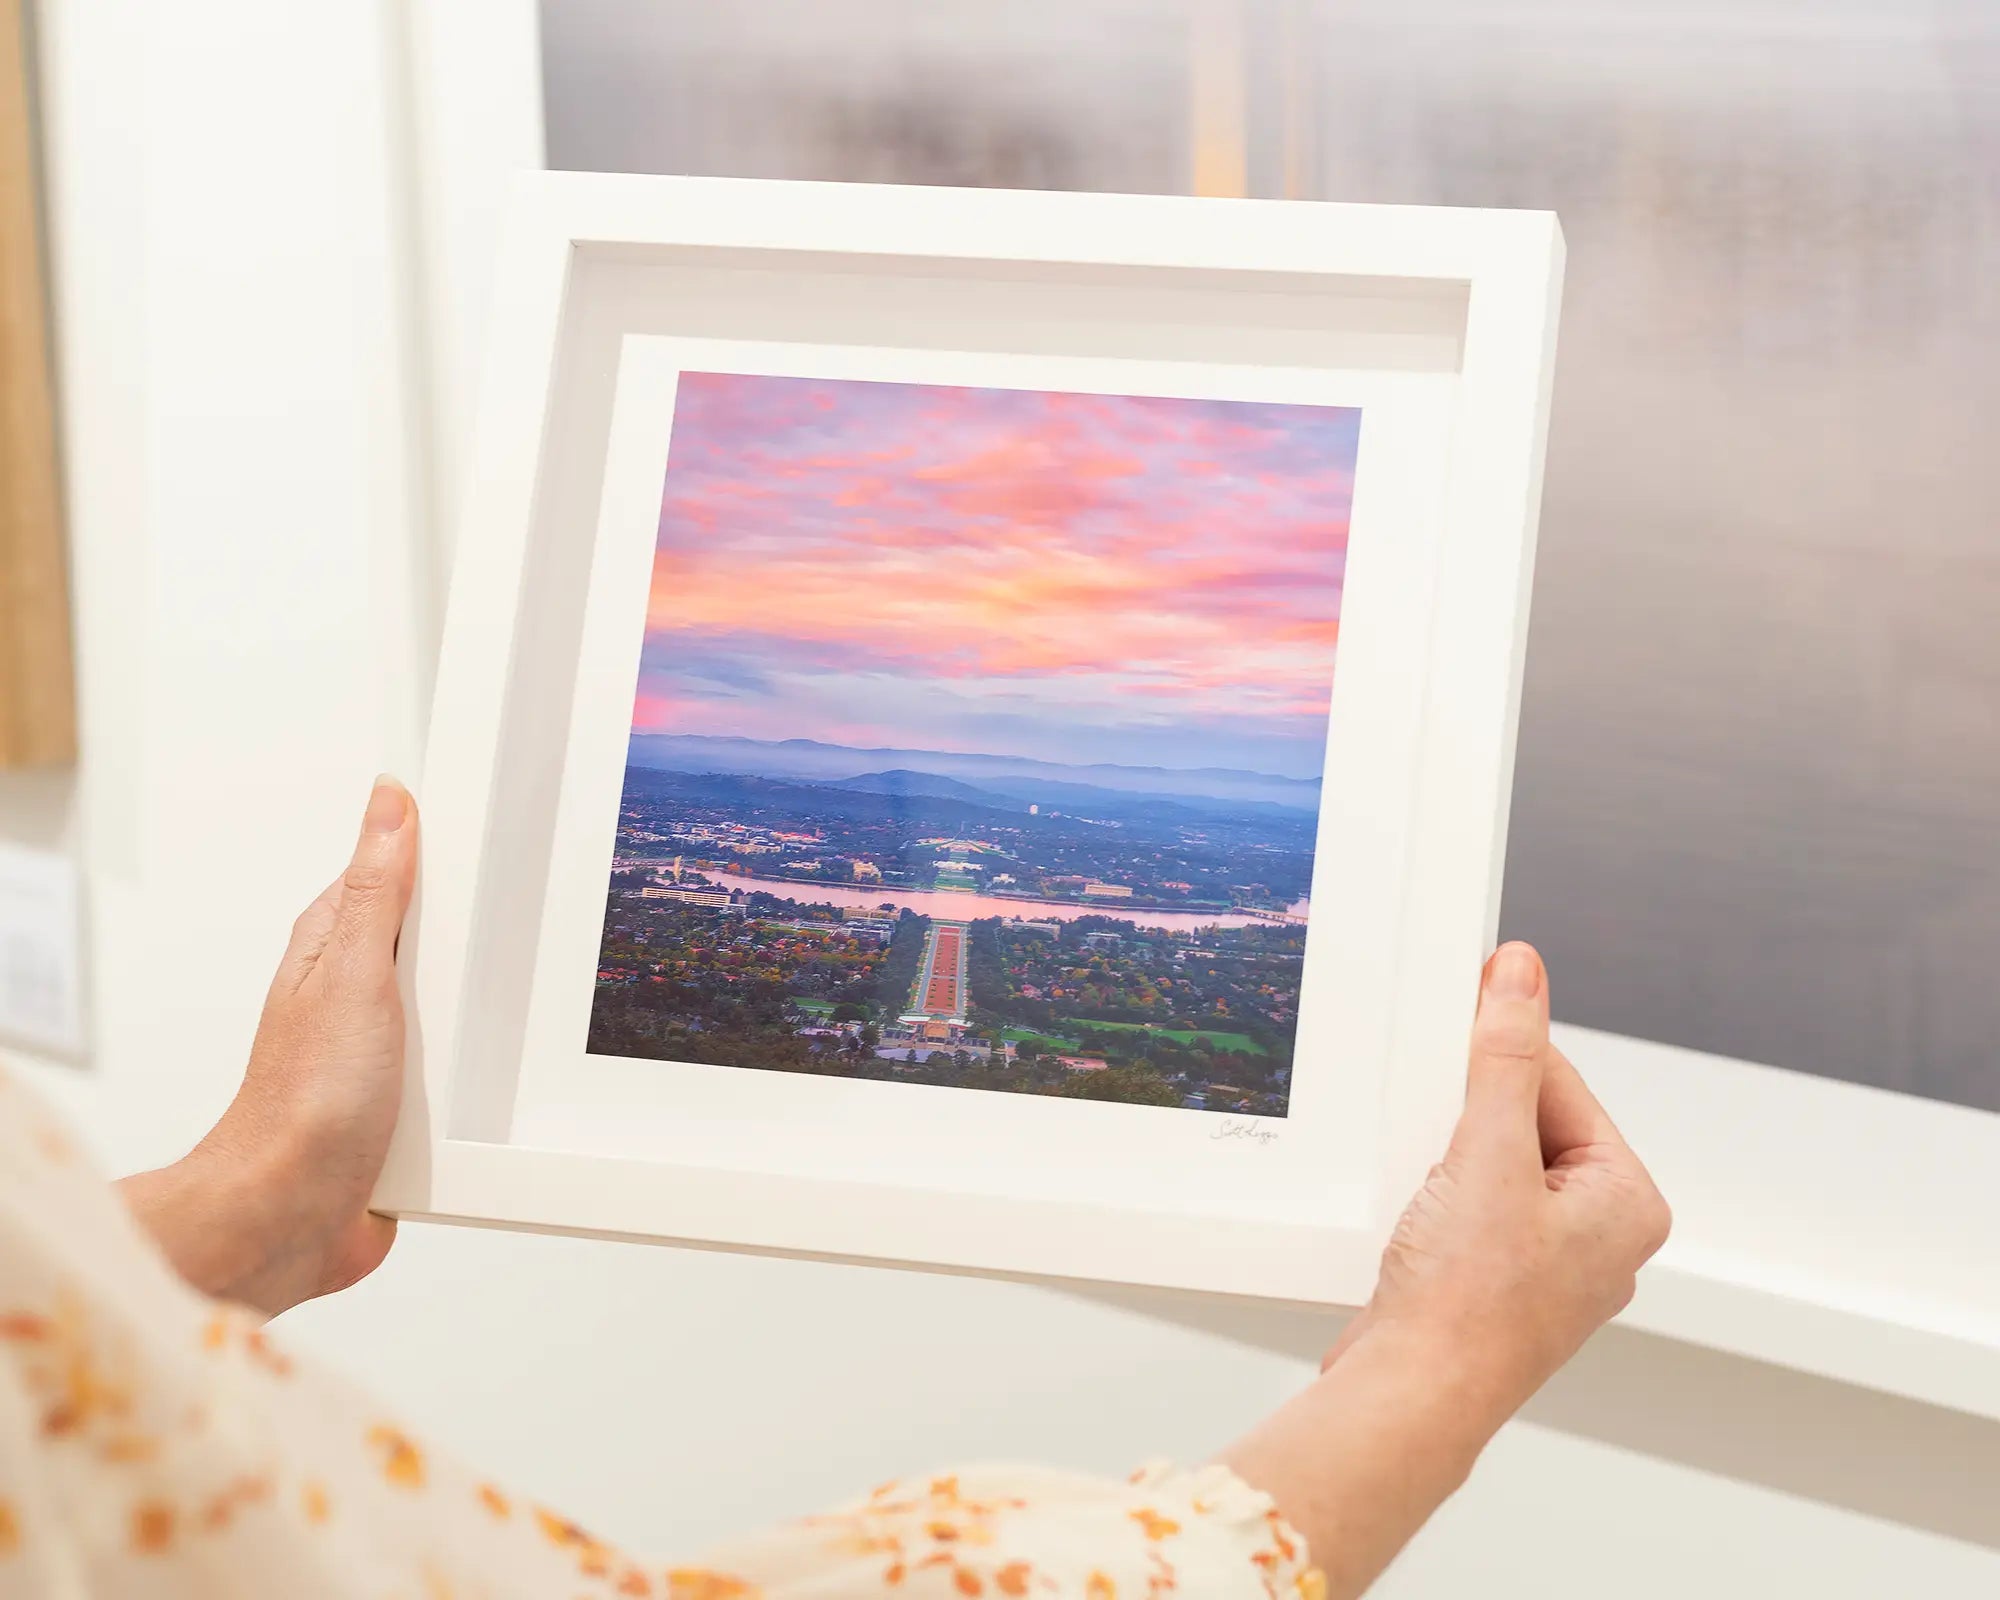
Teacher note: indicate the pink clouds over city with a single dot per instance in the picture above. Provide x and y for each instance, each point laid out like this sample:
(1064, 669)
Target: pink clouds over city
(1062, 577)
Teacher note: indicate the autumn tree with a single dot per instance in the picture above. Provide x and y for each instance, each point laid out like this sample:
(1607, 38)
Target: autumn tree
(1137, 1085)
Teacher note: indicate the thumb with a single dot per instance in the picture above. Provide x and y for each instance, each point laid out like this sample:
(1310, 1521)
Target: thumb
(375, 889)
(1510, 1046)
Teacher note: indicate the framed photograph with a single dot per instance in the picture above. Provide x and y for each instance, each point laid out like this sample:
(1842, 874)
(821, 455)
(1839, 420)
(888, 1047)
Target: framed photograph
(975, 728)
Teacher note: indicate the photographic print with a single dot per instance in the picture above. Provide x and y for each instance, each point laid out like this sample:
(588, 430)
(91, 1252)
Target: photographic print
(978, 739)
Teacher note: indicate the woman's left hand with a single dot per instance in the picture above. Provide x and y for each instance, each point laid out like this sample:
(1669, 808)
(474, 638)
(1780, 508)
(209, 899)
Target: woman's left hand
(271, 1208)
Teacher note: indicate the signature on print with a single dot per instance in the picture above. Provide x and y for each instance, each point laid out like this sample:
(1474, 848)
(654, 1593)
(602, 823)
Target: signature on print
(1254, 1132)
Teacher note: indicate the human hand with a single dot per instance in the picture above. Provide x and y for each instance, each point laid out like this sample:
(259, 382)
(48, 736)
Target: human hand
(1529, 1235)
(271, 1207)
(1522, 1242)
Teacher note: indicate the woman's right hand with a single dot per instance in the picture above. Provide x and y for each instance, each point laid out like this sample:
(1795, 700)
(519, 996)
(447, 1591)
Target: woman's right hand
(1529, 1235)
(1526, 1238)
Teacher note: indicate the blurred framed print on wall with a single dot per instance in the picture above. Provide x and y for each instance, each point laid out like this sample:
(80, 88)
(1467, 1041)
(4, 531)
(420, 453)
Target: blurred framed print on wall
(37, 687)
(974, 729)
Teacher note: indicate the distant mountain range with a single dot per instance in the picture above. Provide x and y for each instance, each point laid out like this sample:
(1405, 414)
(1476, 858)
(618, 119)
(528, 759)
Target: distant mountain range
(922, 803)
(1007, 782)
(900, 782)
(1075, 799)
(746, 794)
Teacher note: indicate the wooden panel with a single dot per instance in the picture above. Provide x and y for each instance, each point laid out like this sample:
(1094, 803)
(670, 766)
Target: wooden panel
(37, 694)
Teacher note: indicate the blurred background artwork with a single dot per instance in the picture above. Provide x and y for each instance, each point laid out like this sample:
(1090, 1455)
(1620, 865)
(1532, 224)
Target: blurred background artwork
(1757, 809)
(37, 709)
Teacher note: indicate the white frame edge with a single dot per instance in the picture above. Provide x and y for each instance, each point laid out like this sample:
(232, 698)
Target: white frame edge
(1508, 264)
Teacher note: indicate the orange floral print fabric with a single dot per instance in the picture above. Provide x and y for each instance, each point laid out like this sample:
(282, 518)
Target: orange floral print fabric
(156, 1444)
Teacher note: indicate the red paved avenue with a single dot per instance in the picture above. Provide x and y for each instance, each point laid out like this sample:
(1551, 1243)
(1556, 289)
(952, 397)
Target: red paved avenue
(941, 992)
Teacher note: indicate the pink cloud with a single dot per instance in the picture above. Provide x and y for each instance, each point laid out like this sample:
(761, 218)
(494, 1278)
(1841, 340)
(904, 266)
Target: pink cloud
(961, 534)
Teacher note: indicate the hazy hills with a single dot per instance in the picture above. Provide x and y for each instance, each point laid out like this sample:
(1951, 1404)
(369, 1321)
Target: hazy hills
(1002, 782)
(899, 781)
(746, 795)
(923, 803)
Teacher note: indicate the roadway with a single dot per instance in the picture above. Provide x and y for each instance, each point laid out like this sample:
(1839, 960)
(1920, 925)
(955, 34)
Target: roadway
(940, 987)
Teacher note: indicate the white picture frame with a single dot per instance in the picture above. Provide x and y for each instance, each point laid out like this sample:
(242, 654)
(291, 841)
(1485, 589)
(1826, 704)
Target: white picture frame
(1439, 324)
(1779, 1254)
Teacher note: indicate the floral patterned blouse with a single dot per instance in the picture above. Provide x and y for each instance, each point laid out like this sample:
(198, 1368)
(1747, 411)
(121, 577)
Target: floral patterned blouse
(155, 1443)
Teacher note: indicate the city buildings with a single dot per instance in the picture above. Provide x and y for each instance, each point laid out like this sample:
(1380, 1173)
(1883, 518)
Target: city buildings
(714, 899)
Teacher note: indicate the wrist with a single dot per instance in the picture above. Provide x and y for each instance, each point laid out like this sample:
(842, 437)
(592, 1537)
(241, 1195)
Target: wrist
(1466, 1378)
(200, 1214)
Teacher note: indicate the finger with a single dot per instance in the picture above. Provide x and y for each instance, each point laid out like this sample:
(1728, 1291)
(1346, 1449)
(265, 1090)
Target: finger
(1570, 1116)
(375, 888)
(309, 935)
(1510, 1048)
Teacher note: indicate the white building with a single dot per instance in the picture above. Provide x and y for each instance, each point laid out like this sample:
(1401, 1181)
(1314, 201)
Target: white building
(715, 899)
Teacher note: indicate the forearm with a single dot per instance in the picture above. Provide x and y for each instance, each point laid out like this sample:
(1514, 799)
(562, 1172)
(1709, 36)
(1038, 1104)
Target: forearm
(1359, 1461)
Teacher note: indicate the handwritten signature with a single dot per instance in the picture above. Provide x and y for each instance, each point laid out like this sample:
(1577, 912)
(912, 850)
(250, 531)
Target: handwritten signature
(1255, 1132)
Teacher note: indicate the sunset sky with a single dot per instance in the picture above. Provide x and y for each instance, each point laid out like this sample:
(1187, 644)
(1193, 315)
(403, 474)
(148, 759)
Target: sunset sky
(1067, 577)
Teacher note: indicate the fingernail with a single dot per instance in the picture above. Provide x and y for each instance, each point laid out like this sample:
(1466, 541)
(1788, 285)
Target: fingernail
(388, 805)
(1515, 973)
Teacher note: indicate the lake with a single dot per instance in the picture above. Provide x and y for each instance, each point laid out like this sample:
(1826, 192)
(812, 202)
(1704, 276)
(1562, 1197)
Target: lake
(932, 903)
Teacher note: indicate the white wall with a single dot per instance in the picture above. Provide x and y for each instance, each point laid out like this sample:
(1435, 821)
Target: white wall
(245, 487)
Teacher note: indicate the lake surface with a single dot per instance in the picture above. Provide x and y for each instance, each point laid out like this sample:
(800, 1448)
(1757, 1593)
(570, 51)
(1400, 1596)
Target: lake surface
(932, 903)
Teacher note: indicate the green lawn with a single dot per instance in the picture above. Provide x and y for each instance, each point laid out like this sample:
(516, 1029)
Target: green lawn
(823, 1007)
(1041, 1041)
(1241, 1042)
